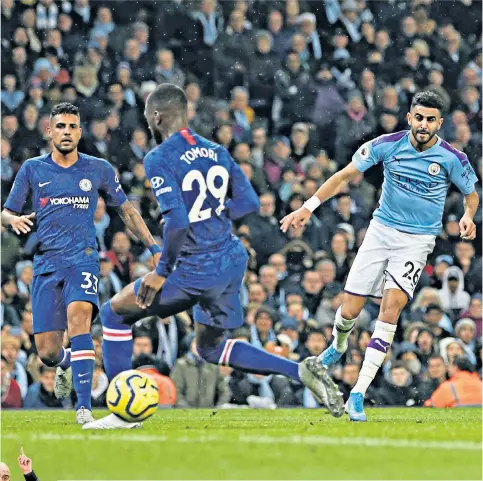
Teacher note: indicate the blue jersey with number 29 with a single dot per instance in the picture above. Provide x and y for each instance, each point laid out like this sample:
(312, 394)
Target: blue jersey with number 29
(190, 172)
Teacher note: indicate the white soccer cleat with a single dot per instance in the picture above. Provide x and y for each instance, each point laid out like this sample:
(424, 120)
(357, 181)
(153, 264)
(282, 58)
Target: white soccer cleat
(111, 422)
(83, 416)
(316, 377)
(63, 383)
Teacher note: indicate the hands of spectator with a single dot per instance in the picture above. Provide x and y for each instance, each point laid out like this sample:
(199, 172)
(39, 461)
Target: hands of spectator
(150, 286)
(296, 219)
(467, 228)
(24, 463)
(25, 338)
(22, 224)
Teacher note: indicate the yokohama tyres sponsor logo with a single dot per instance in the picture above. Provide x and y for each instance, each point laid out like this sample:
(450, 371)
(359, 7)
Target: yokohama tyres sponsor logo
(77, 202)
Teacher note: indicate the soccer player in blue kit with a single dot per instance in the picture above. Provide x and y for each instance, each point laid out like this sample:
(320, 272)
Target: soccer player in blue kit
(65, 186)
(200, 190)
(418, 168)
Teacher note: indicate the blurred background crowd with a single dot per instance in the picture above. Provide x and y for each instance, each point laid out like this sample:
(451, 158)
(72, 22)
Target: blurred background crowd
(291, 88)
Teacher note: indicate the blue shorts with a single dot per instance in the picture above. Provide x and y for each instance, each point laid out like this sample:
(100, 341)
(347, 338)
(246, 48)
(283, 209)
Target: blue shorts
(210, 283)
(54, 291)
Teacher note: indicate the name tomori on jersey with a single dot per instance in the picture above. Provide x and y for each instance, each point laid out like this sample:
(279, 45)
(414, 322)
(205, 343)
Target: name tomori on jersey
(192, 154)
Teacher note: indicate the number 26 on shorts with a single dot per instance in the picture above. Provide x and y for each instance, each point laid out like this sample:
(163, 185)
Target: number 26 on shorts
(414, 278)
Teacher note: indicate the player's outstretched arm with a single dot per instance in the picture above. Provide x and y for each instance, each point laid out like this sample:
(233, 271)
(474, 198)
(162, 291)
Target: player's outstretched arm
(175, 233)
(21, 224)
(467, 226)
(133, 220)
(330, 188)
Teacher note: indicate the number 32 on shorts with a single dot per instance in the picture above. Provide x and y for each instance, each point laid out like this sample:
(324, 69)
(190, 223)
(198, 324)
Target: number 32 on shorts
(90, 283)
(414, 278)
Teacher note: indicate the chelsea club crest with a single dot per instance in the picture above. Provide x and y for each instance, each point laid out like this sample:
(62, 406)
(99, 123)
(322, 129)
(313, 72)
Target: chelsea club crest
(85, 185)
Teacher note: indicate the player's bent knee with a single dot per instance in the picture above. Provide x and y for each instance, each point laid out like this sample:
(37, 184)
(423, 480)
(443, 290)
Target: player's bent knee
(49, 355)
(352, 306)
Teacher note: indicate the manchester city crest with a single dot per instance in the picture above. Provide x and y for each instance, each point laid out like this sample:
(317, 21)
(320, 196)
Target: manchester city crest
(434, 169)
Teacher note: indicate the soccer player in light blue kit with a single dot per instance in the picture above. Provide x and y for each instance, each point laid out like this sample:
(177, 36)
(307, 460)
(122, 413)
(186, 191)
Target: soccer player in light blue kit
(200, 190)
(418, 168)
(65, 187)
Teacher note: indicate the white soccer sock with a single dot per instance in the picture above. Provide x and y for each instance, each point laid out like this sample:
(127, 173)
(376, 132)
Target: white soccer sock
(376, 351)
(341, 331)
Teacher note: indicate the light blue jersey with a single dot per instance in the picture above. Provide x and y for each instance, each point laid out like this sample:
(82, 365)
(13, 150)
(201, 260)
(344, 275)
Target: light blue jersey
(415, 183)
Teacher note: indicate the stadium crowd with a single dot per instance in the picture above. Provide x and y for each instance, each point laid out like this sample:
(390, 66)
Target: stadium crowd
(291, 88)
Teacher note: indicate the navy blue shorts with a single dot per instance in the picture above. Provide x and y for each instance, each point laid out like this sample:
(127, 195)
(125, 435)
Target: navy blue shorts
(210, 283)
(54, 291)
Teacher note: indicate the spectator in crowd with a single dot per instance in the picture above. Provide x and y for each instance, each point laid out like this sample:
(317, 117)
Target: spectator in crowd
(198, 383)
(398, 389)
(434, 376)
(463, 388)
(10, 351)
(41, 394)
(465, 329)
(11, 395)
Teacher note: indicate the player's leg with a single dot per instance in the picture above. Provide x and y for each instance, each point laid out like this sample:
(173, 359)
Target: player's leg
(406, 261)
(50, 349)
(117, 340)
(49, 323)
(177, 295)
(345, 320)
(80, 297)
(365, 279)
(393, 302)
(118, 315)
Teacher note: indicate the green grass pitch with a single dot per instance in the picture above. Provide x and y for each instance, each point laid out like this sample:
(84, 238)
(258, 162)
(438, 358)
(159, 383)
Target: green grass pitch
(395, 444)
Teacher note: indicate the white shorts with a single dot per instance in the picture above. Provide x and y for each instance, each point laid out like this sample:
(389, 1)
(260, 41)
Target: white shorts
(388, 259)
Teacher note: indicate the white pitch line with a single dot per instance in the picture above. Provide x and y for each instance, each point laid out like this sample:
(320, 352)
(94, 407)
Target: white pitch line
(309, 440)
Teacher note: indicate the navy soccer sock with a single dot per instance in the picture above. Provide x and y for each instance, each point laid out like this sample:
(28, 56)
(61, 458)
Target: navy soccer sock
(116, 342)
(245, 357)
(63, 359)
(82, 359)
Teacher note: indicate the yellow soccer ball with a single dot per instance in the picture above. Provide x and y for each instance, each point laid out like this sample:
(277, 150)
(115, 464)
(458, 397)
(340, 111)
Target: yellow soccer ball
(133, 396)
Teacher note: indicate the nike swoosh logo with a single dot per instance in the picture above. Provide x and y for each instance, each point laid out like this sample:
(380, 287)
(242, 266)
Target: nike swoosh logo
(44, 183)
(82, 375)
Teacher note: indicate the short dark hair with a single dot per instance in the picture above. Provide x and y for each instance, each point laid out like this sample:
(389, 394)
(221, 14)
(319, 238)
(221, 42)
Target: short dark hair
(168, 97)
(64, 108)
(463, 363)
(428, 99)
(43, 369)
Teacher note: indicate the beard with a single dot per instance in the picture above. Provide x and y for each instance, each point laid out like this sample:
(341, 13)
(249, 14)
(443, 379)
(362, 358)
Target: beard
(66, 149)
(158, 138)
(415, 133)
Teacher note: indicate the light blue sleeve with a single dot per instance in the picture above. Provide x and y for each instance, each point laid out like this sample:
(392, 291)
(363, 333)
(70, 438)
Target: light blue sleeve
(368, 155)
(462, 174)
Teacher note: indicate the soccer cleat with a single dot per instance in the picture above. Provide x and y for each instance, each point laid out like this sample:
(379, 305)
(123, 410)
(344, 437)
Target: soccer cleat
(63, 383)
(316, 377)
(111, 422)
(330, 356)
(83, 416)
(355, 407)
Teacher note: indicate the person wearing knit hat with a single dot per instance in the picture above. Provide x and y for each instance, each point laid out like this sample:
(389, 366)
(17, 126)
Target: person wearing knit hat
(465, 330)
